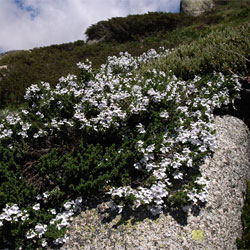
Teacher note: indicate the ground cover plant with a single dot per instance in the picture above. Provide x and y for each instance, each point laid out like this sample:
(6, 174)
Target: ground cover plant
(137, 136)
(135, 129)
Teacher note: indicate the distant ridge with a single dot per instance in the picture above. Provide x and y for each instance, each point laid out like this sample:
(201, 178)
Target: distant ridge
(8, 53)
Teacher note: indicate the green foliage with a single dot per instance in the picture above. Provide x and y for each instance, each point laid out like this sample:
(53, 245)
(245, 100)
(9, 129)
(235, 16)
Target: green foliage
(89, 136)
(244, 242)
(224, 50)
(138, 34)
(86, 170)
(136, 26)
(13, 188)
(112, 128)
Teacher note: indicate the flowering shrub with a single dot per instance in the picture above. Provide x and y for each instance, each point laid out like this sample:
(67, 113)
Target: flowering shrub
(138, 137)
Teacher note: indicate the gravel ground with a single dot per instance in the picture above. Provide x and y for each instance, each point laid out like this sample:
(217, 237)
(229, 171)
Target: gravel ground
(215, 226)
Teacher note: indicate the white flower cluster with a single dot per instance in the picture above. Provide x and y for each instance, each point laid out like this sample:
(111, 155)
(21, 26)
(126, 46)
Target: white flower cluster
(117, 92)
(13, 214)
(194, 196)
(106, 95)
(108, 100)
(196, 133)
(71, 207)
(86, 66)
(39, 230)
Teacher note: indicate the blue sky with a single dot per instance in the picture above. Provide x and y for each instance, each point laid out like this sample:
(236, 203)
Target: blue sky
(25, 24)
(25, 7)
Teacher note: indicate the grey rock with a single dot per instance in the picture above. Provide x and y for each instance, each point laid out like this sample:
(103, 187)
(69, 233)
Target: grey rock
(196, 7)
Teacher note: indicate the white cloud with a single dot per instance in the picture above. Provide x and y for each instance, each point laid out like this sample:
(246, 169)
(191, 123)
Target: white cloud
(36, 23)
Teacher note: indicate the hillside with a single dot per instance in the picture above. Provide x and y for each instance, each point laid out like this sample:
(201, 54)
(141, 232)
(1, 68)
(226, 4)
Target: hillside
(50, 63)
(132, 123)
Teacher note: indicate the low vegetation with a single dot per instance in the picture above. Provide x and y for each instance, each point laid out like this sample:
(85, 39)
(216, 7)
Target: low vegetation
(244, 242)
(133, 127)
(139, 137)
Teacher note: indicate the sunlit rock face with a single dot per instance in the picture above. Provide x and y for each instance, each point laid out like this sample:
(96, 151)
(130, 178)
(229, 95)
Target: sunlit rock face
(196, 7)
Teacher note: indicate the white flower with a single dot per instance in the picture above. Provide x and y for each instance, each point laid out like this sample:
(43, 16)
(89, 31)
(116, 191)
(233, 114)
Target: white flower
(120, 208)
(150, 166)
(26, 126)
(35, 135)
(150, 148)
(23, 134)
(39, 197)
(164, 149)
(201, 181)
(178, 175)
(192, 197)
(25, 111)
(30, 234)
(137, 165)
(164, 114)
(159, 174)
(203, 148)
(8, 218)
(40, 229)
(46, 194)
(140, 144)
(53, 211)
(25, 217)
(11, 213)
(68, 205)
(62, 224)
(140, 128)
(190, 163)
(6, 133)
(58, 241)
(176, 164)
(203, 196)
(78, 200)
(44, 243)
(36, 207)
(40, 114)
